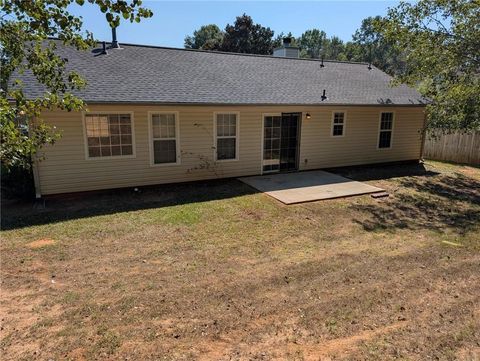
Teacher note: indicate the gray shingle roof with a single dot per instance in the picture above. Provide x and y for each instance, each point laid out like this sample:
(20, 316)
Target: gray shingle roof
(147, 74)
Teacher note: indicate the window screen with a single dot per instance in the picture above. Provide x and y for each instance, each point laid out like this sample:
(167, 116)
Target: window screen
(226, 136)
(386, 127)
(164, 137)
(338, 124)
(109, 135)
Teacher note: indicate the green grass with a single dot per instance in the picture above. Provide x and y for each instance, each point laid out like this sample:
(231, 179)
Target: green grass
(215, 270)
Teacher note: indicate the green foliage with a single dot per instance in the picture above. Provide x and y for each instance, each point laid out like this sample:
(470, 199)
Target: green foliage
(334, 48)
(244, 36)
(441, 39)
(25, 27)
(367, 45)
(208, 37)
(313, 43)
(278, 40)
(370, 45)
(17, 182)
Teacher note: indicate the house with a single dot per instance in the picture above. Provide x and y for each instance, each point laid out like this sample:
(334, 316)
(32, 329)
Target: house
(161, 115)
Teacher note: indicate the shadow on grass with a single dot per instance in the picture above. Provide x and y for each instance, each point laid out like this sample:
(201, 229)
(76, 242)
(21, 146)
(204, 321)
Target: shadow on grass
(82, 205)
(456, 188)
(380, 171)
(436, 202)
(426, 200)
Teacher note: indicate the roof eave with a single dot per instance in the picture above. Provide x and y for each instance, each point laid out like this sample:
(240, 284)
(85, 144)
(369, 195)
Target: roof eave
(257, 104)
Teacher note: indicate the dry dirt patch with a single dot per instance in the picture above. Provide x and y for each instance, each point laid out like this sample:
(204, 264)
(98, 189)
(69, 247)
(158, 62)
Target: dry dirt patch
(221, 273)
(40, 243)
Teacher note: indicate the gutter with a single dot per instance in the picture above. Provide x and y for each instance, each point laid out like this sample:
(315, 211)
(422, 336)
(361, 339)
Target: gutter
(136, 102)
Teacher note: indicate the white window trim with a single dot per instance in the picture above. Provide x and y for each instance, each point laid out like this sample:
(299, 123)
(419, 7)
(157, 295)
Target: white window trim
(110, 157)
(237, 137)
(391, 131)
(263, 138)
(344, 123)
(177, 138)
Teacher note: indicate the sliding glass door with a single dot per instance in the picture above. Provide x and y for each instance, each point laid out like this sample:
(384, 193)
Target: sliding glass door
(281, 142)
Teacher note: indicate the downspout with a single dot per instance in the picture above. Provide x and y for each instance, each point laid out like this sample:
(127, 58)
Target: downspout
(424, 135)
(36, 175)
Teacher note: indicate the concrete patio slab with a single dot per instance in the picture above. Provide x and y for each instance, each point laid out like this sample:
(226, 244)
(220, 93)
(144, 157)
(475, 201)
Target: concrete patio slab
(291, 188)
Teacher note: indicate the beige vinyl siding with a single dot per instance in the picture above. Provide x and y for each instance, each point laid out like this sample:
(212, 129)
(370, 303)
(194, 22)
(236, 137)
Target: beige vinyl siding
(66, 169)
(359, 145)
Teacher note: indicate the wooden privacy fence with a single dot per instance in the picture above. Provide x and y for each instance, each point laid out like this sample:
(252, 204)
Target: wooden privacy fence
(457, 147)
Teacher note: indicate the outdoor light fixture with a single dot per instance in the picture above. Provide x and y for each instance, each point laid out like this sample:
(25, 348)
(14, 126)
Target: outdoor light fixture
(307, 116)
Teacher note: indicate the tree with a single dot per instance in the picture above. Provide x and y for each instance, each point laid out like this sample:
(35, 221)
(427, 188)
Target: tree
(25, 27)
(278, 40)
(244, 36)
(334, 49)
(441, 39)
(372, 47)
(208, 37)
(312, 43)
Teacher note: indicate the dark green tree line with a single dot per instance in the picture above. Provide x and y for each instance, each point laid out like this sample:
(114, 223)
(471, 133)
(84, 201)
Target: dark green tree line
(245, 36)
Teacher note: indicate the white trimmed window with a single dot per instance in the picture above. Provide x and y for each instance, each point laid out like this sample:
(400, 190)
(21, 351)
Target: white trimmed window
(109, 135)
(386, 128)
(226, 130)
(164, 130)
(338, 124)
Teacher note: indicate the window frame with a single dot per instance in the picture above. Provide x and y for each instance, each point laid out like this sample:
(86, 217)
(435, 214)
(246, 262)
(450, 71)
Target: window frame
(344, 129)
(380, 130)
(262, 149)
(151, 139)
(237, 137)
(107, 112)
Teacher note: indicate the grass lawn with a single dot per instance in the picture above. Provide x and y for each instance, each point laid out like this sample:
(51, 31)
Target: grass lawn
(217, 271)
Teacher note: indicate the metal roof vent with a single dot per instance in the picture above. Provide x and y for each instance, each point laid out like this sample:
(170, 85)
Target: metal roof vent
(104, 48)
(115, 44)
(324, 96)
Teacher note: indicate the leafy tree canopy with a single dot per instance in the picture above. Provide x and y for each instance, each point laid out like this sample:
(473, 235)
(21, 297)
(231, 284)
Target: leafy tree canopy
(370, 45)
(244, 36)
(441, 39)
(25, 27)
(312, 43)
(208, 37)
(334, 49)
(278, 40)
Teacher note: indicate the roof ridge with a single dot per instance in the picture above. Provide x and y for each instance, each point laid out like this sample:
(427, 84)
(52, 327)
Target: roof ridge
(241, 54)
(230, 53)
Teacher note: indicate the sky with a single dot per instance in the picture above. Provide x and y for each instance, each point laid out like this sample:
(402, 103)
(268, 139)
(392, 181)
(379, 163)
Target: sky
(173, 20)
